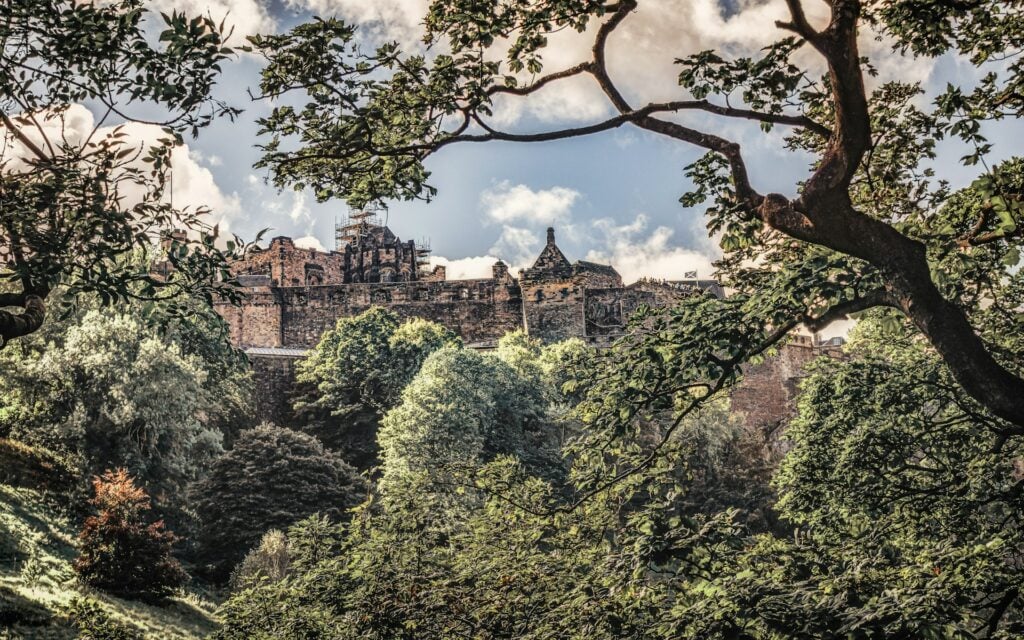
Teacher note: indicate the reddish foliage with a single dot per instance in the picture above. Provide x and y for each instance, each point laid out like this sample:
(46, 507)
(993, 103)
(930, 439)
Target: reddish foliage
(120, 552)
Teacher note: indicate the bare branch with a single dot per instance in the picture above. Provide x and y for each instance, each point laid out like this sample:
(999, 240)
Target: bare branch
(20, 135)
(599, 69)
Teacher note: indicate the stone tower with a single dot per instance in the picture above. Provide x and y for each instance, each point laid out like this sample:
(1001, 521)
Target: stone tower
(554, 292)
(372, 253)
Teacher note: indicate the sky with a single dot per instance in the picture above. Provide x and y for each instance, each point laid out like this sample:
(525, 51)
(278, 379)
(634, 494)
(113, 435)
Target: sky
(612, 198)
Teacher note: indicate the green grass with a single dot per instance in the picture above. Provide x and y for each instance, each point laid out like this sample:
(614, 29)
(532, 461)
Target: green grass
(37, 547)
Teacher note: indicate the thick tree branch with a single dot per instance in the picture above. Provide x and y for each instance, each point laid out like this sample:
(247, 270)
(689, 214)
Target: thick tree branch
(876, 298)
(22, 138)
(16, 325)
(798, 23)
(851, 136)
(599, 68)
(730, 150)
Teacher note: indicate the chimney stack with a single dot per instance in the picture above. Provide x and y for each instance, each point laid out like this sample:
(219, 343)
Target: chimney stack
(551, 235)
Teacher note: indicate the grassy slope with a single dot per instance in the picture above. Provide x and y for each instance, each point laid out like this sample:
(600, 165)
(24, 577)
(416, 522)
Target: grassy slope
(36, 580)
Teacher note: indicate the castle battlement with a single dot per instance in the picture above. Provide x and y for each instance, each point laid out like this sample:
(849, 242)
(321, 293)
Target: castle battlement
(295, 294)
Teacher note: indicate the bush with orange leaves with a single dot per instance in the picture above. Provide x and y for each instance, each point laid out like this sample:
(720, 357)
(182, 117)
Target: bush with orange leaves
(119, 551)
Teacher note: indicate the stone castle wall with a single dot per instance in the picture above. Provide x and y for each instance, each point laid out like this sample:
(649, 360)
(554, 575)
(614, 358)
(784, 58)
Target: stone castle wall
(295, 295)
(766, 397)
(480, 311)
(274, 375)
(553, 310)
(290, 266)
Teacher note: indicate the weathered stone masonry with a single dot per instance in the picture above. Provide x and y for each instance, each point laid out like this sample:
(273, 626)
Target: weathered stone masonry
(294, 295)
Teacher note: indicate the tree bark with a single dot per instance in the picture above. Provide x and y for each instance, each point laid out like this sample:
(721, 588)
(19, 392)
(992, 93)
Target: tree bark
(16, 325)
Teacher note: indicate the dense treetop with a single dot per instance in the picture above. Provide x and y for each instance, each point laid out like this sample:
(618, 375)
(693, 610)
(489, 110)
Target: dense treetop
(870, 226)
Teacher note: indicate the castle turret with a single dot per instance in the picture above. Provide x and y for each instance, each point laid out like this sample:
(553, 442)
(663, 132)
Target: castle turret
(551, 264)
(500, 272)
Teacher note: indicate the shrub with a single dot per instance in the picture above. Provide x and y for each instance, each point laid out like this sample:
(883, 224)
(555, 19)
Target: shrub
(120, 552)
(93, 623)
(270, 561)
(270, 479)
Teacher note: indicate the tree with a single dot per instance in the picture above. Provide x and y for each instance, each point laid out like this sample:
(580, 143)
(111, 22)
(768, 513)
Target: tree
(461, 410)
(894, 471)
(357, 372)
(905, 506)
(506, 568)
(869, 227)
(121, 552)
(269, 561)
(112, 391)
(272, 478)
(76, 207)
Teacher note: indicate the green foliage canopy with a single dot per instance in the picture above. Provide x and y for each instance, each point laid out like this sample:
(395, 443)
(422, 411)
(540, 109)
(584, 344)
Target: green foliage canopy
(272, 478)
(870, 225)
(74, 207)
(357, 372)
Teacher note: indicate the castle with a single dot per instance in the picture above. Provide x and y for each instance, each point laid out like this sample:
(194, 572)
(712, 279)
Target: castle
(296, 294)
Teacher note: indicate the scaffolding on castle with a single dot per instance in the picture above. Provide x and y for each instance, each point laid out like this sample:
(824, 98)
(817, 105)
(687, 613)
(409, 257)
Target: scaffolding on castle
(357, 225)
(423, 255)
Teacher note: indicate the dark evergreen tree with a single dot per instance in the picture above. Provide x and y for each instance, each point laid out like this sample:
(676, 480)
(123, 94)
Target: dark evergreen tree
(272, 478)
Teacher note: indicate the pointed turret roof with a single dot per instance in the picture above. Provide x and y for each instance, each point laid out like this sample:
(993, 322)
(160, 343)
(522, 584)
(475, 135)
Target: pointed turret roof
(551, 263)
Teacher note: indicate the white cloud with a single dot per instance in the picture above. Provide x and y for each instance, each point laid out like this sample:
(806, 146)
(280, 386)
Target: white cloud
(636, 255)
(71, 126)
(245, 17)
(641, 52)
(506, 203)
(299, 211)
(284, 212)
(400, 20)
(192, 184)
(309, 242)
(465, 268)
(516, 246)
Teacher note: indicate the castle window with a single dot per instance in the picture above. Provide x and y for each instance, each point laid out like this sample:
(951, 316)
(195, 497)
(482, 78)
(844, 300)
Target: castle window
(464, 293)
(540, 295)
(314, 274)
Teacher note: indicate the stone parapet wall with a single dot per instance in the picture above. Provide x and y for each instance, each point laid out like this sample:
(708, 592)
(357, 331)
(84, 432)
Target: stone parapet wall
(257, 321)
(477, 310)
